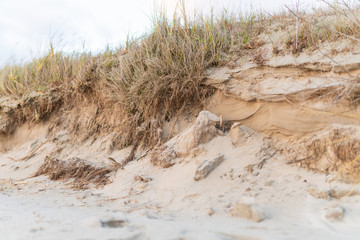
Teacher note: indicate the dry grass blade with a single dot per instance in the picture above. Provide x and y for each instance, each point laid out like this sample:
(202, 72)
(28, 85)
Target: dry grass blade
(80, 171)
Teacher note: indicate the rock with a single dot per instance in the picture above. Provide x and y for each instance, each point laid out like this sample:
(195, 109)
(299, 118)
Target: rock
(113, 223)
(269, 183)
(202, 131)
(207, 116)
(87, 194)
(334, 214)
(211, 212)
(239, 134)
(228, 205)
(206, 167)
(244, 210)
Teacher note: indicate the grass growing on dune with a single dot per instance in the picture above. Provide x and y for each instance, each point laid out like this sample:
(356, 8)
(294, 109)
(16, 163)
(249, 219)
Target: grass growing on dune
(156, 77)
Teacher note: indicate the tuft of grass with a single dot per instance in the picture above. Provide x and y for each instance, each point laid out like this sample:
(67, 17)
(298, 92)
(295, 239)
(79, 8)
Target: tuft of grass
(153, 78)
(340, 21)
(54, 69)
(82, 172)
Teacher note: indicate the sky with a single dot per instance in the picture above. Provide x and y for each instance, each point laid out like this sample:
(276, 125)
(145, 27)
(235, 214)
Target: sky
(28, 26)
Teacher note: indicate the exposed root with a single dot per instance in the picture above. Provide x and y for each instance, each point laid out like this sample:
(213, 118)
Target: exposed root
(131, 155)
(80, 171)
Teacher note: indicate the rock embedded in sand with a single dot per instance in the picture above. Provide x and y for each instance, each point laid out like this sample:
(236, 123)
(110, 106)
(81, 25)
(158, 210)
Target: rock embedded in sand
(334, 214)
(239, 134)
(202, 131)
(113, 223)
(269, 183)
(206, 167)
(247, 211)
(211, 212)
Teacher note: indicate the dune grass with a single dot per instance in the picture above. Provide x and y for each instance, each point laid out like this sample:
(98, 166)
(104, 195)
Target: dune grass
(155, 77)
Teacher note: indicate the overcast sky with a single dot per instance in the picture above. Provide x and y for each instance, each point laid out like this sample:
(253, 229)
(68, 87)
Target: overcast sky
(27, 26)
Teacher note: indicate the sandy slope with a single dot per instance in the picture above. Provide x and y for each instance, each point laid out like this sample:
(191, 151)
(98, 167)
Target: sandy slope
(173, 205)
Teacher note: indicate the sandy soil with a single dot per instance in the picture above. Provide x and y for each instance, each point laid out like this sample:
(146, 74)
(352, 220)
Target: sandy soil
(172, 205)
(247, 190)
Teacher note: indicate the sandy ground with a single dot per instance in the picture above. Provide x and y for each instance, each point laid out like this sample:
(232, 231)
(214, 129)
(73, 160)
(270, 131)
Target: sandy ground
(35, 213)
(172, 205)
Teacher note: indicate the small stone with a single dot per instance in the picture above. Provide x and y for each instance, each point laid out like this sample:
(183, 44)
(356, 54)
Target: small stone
(206, 167)
(244, 210)
(207, 116)
(239, 134)
(87, 194)
(334, 214)
(269, 183)
(113, 223)
(211, 212)
(228, 205)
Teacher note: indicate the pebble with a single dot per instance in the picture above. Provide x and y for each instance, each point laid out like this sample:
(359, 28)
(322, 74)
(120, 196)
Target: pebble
(247, 211)
(334, 214)
(211, 212)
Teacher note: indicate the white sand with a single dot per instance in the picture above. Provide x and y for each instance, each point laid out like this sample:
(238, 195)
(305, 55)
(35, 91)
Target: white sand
(173, 205)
